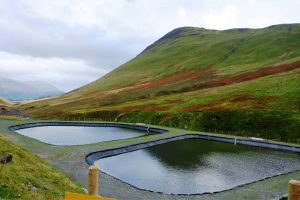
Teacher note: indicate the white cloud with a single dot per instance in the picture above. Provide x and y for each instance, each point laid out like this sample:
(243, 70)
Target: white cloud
(45, 39)
(181, 12)
(225, 19)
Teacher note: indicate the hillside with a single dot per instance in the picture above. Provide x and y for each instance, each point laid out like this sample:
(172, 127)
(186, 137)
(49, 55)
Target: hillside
(236, 71)
(17, 91)
(4, 102)
(29, 177)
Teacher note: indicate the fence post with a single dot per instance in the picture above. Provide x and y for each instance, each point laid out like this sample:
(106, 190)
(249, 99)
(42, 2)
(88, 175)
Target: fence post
(294, 190)
(93, 180)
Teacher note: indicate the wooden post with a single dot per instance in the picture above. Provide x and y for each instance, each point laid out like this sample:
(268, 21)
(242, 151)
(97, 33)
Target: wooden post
(93, 180)
(93, 188)
(294, 190)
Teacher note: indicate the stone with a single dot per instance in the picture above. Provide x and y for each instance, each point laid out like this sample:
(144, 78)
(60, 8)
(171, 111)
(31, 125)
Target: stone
(5, 158)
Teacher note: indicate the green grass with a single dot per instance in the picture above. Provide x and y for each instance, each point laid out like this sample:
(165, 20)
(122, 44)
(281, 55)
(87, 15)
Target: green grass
(229, 52)
(224, 52)
(30, 177)
(11, 117)
(220, 54)
(283, 88)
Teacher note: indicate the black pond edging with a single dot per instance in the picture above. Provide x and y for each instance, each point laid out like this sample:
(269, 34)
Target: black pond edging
(90, 124)
(92, 157)
(205, 193)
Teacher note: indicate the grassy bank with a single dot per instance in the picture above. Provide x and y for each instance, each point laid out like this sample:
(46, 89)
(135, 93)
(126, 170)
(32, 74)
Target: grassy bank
(30, 177)
(269, 124)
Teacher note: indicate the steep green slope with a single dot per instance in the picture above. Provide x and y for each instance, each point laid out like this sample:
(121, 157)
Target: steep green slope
(227, 52)
(275, 92)
(29, 177)
(193, 69)
(195, 56)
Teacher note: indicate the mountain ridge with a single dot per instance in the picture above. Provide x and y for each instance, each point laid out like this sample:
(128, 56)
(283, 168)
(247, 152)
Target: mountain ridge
(121, 73)
(18, 91)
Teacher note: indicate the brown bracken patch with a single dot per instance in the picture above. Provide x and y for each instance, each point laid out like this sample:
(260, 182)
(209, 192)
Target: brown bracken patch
(173, 101)
(254, 74)
(241, 98)
(198, 107)
(168, 79)
(252, 101)
(147, 98)
(236, 102)
(144, 108)
(179, 76)
(205, 75)
(165, 119)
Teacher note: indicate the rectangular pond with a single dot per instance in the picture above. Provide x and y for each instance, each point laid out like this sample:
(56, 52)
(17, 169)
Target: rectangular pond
(195, 166)
(78, 135)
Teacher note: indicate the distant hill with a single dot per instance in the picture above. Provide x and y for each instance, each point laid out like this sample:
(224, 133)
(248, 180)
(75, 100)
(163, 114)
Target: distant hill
(4, 102)
(7, 110)
(17, 91)
(194, 74)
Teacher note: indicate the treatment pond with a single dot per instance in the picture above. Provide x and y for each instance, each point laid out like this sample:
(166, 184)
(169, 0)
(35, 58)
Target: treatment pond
(195, 166)
(78, 135)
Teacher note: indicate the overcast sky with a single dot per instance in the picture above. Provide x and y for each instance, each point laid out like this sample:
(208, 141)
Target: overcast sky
(69, 43)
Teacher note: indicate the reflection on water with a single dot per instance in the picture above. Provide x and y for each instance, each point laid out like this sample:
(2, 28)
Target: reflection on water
(76, 135)
(196, 166)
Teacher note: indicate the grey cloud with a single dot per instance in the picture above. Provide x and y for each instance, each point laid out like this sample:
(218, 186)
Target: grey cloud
(101, 35)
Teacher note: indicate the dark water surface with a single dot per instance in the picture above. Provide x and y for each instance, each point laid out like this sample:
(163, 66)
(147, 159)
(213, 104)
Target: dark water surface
(193, 166)
(76, 135)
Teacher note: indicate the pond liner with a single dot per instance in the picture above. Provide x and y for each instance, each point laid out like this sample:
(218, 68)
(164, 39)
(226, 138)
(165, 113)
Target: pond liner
(204, 193)
(144, 128)
(92, 157)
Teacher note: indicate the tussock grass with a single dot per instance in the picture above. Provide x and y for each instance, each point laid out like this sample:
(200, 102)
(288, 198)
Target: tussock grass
(30, 177)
